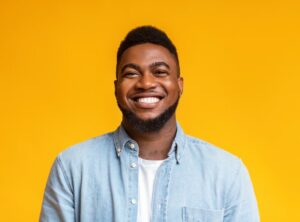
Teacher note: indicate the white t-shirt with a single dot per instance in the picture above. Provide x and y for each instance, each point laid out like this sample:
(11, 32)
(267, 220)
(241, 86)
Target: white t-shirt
(147, 172)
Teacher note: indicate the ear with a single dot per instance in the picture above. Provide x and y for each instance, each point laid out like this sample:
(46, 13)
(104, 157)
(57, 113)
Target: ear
(180, 85)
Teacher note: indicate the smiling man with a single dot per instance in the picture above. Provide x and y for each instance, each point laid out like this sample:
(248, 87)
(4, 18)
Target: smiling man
(148, 169)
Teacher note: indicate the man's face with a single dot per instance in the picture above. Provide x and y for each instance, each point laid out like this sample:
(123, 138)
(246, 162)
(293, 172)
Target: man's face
(147, 82)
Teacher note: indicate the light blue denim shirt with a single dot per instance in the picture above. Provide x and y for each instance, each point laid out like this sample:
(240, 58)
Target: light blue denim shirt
(97, 181)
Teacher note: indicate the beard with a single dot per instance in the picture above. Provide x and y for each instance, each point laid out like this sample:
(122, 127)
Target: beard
(149, 125)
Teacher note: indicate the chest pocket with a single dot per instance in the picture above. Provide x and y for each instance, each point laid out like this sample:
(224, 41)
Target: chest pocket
(201, 215)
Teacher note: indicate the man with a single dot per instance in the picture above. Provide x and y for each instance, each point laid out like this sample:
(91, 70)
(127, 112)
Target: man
(148, 169)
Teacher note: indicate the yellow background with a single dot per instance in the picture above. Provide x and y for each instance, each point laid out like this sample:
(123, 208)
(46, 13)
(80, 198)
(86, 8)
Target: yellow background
(239, 59)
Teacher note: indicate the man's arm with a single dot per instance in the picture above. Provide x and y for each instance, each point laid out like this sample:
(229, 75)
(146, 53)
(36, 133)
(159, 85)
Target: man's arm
(58, 203)
(241, 203)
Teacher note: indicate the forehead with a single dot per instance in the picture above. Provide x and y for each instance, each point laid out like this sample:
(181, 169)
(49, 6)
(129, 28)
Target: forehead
(147, 53)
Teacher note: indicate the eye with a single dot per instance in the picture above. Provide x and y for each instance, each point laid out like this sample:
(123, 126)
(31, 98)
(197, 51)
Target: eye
(130, 74)
(161, 73)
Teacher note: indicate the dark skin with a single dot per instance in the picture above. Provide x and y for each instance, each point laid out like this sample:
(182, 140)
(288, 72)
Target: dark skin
(147, 84)
(154, 146)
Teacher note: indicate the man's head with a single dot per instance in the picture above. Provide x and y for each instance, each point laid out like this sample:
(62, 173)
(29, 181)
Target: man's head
(148, 84)
(147, 34)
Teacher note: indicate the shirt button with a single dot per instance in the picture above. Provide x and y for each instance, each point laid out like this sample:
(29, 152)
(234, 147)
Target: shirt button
(133, 201)
(133, 165)
(131, 145)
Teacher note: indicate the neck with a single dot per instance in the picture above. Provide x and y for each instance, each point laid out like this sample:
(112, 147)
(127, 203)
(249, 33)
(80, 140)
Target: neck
(153, 145)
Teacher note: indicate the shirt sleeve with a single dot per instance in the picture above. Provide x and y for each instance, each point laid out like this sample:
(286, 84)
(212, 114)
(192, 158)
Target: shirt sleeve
(241, 203)
(58, 202)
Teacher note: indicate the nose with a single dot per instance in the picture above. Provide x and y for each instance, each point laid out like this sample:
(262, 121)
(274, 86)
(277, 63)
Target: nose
(146, 81)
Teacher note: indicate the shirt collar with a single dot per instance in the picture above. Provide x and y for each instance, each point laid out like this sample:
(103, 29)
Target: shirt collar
(178, 144)
(121, 140)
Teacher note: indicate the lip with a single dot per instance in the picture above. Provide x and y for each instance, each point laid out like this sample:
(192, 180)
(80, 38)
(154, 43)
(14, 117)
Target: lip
(144, 105)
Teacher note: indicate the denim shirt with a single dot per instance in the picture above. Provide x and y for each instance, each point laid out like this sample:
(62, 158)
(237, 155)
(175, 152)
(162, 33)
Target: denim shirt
(97, 180)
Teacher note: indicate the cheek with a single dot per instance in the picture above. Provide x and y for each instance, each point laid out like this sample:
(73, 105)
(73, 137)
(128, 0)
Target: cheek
(172, 88)
(123, 89)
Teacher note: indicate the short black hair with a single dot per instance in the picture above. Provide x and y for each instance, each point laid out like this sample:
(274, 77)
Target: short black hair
(147, 34)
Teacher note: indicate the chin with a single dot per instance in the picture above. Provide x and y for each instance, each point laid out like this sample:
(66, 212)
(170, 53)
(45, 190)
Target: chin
(148, 122)
(147, 117)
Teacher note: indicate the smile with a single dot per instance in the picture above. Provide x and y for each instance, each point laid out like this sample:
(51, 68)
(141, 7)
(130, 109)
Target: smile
(148, 100)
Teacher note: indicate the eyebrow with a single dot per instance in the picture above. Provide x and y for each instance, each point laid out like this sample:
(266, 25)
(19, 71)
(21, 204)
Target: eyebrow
(137, 67)
(155, 64)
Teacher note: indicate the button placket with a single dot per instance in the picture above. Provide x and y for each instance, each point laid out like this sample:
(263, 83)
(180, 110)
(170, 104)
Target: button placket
(133, 180)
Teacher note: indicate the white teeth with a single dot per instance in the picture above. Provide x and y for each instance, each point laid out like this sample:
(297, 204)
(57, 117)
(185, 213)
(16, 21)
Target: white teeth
(148, 100)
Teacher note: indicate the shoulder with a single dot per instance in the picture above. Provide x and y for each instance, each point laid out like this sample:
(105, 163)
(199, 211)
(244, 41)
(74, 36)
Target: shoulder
(211, 156)
(87, 150)
(216, 165)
